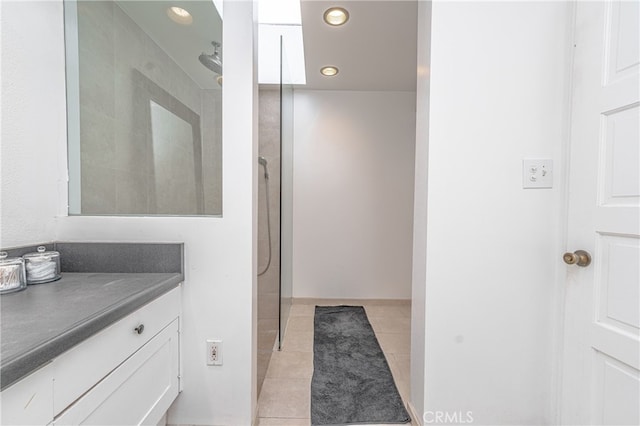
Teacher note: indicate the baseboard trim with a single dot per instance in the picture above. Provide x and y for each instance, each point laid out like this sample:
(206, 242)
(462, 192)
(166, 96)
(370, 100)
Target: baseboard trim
(337, 301)
(414, 416)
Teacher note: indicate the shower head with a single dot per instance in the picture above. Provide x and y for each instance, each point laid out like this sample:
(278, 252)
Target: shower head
(263, 163)
(212, 62)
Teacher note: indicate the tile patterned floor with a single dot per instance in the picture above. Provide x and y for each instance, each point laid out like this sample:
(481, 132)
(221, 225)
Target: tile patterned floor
(285, 396)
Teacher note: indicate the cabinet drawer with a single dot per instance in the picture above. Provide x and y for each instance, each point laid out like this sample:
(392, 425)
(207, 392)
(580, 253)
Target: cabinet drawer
(138, 392)
(80, 368)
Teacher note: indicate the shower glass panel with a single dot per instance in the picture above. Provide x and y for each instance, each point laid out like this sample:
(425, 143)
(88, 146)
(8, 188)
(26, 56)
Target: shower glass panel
(286, 191)
(144, 107)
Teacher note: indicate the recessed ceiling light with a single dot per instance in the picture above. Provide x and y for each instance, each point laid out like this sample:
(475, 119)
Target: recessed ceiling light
(336, 16)
(179, 15)
(329, 71)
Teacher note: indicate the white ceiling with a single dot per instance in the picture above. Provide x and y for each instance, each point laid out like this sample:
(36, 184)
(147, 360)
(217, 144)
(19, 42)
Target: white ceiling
(374, 50)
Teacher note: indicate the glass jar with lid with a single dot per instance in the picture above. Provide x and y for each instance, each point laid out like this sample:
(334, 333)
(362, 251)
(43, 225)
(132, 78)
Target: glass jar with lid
(42, 266)
(12, 275)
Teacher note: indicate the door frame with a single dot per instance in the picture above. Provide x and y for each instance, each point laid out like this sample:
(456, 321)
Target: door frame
(563, 172)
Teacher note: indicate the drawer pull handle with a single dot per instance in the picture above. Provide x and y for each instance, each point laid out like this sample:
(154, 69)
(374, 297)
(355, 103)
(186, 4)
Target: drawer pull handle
(139, 329)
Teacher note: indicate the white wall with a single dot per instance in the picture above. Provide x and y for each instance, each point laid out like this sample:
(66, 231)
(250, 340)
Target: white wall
(497, 95)
(353, 194)
(33, 165)
(220, 287)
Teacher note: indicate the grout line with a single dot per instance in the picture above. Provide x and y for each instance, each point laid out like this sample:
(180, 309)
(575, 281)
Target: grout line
(283, 417)
(412, 413)
(376, 302)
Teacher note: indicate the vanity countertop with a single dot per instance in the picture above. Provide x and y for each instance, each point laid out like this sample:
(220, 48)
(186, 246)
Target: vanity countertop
(45, 320)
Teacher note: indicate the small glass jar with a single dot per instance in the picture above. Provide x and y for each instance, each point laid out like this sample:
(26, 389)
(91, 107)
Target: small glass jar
(12, 276)
(42, 266)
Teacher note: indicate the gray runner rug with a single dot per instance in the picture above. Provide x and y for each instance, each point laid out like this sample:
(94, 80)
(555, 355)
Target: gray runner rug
(352, 383)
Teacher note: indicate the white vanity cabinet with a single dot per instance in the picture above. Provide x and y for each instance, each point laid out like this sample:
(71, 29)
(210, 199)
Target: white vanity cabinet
(127, 374)
(29, 401)
(138, 392)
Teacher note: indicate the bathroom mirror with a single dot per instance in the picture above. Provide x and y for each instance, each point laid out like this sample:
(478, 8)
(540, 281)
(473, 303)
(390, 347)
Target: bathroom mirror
(144, 107)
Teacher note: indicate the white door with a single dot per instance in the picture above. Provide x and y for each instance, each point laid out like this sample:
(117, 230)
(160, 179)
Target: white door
(601, 382)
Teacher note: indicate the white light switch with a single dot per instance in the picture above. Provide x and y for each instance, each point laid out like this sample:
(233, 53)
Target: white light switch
(537, 173)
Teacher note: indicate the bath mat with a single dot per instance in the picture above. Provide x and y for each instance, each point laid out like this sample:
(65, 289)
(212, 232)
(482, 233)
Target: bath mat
(351, 383)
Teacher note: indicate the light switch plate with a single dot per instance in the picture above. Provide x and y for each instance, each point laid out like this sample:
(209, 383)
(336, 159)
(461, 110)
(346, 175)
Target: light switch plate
(537, 173)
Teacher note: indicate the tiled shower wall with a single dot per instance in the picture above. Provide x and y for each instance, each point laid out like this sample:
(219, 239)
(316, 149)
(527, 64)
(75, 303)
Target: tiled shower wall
(268, 296)
(211, 122)
(114, 162)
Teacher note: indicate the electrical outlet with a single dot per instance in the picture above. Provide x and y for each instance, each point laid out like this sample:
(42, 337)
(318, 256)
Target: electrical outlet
(214, 352)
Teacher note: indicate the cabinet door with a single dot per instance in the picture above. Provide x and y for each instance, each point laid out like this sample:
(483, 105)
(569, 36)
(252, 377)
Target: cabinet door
(138, 392)
(29, 401)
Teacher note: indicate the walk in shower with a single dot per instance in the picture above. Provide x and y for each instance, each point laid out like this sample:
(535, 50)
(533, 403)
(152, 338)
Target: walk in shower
(275, 209)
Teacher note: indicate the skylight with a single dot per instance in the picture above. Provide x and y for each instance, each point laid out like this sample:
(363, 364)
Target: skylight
(280, 18)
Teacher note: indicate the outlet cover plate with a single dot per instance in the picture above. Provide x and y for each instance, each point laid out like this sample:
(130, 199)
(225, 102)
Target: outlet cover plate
(214, 352)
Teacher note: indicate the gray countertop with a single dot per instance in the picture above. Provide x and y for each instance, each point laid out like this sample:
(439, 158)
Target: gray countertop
(45, 320)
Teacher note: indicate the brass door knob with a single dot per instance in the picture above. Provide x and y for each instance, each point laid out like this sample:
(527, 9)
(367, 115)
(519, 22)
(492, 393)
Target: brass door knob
(579, 257)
